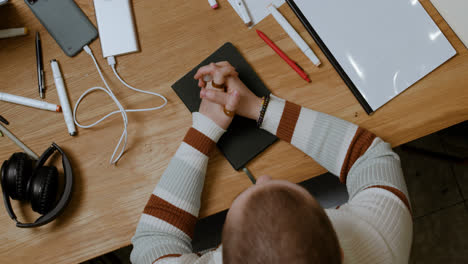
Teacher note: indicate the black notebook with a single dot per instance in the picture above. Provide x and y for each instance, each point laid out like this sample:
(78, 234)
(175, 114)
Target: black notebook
(243, 141)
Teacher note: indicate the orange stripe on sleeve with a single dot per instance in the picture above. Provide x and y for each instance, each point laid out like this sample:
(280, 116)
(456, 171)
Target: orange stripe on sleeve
(359, 145)
(167, 256)
(288, 121)
(199, 141)
(173, 215)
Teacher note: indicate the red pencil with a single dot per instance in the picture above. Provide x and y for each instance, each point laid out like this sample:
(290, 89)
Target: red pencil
(284, 56)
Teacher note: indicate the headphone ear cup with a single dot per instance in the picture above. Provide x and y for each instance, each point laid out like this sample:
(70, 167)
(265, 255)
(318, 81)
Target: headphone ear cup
(19, 170)
(43, 189)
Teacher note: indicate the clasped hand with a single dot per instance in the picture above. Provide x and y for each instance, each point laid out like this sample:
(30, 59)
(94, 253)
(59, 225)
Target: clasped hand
(236, 97)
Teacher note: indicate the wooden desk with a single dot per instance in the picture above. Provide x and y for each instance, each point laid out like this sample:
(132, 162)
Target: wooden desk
(174, 37)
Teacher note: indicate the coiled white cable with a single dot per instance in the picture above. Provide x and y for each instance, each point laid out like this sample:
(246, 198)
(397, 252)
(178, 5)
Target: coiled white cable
(122, 110)
(111, 62)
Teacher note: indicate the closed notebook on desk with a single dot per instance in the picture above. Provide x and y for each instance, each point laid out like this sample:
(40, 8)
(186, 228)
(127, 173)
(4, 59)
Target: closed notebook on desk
(379, 47)
(243, 140)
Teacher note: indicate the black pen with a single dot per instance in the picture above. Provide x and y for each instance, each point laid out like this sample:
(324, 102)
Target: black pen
(40, 66)
(249, 174)
(4, 121)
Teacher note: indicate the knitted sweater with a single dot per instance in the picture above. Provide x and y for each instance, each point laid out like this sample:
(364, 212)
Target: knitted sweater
(375, 226)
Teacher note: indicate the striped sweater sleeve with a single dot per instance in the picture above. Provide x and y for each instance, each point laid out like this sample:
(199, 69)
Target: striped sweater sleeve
(365, 163)
(359, 158)
(167, 224)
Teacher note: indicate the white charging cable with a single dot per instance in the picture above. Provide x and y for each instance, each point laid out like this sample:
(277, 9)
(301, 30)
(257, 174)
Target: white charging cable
(122, 110)
(111, 62)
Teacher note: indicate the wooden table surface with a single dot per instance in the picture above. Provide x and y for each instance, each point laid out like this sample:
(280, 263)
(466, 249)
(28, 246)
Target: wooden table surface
(175, 36)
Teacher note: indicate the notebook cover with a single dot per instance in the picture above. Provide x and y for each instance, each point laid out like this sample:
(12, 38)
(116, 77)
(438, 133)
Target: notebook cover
(377, 56)
(243, 141)
(331, 58)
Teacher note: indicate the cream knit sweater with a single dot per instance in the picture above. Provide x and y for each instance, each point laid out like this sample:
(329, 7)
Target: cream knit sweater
(375, 226)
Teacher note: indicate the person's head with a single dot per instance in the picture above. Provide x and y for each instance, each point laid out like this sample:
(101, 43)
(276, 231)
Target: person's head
(277, 221)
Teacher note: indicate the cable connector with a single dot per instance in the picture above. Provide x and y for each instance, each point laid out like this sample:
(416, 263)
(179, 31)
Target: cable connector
(111, 60)
(87, 49)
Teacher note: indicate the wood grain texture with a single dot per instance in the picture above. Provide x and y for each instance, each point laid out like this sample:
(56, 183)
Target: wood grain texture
(174, 37)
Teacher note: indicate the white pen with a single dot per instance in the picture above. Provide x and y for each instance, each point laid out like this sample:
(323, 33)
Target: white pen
(63, 97)
(294, 35)
(213, 4)
(13, 32)
(29, 102)
(244, 13)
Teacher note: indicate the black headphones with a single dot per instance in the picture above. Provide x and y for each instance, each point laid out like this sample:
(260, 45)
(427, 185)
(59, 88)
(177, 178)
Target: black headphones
(24, 181)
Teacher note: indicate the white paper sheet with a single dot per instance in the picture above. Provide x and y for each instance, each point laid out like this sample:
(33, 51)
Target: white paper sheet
(383, 46)
(257, 8)
(454, 12)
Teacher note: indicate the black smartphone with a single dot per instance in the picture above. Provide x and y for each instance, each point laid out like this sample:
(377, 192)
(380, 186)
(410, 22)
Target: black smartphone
(65, 22)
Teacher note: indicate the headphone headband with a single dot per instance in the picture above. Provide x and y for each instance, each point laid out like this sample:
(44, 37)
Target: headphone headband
(6, 198)
(64, 199)
(46, 155)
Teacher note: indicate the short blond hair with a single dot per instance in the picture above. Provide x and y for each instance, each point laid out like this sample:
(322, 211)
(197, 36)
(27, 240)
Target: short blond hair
(279, 225)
